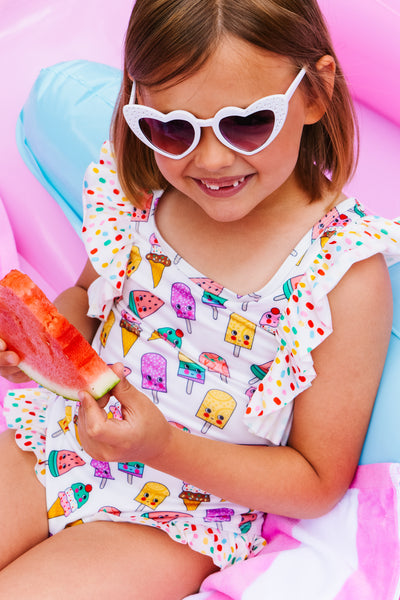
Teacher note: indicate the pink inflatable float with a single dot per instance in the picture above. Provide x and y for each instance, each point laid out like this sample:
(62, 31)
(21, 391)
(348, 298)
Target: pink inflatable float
(34, 231)
(41, 235)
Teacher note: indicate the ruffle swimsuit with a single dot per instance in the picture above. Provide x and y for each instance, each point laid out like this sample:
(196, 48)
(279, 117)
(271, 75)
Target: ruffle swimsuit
(218, 365)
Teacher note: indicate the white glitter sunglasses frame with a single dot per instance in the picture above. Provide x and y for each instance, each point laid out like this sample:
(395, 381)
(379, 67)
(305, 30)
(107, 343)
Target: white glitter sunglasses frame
(277, 103)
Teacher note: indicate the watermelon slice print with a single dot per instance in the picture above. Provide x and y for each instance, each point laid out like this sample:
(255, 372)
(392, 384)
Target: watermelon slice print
(62, 461)
(143, 304)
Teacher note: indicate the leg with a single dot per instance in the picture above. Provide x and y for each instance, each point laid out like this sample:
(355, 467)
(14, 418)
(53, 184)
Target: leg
(23, 518)
(106, 560)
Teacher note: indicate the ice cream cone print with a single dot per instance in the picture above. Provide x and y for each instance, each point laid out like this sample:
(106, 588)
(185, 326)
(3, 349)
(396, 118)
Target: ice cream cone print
(130, 331)
(240, 332)
(158, 262)
(56, 510)
(105, 332)
(129, 337)
(216, 409)
(192, 497)
(327, 236)
(190, 504)
(69, 500)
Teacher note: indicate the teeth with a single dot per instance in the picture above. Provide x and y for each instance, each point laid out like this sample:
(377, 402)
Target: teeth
(212, 186)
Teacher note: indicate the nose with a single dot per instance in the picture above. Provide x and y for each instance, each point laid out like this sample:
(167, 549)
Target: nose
(211, 154)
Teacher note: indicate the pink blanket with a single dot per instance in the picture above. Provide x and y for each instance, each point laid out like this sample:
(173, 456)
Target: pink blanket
(353, 553)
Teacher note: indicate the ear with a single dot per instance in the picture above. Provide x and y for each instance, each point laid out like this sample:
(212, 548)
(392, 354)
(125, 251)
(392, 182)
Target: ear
(326, 68)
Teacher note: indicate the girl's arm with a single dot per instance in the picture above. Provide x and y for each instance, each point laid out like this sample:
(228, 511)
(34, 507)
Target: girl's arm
(309, 476)
(73, 304)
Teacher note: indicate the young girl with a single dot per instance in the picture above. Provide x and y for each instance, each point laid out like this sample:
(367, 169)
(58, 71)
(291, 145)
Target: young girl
(245, 297)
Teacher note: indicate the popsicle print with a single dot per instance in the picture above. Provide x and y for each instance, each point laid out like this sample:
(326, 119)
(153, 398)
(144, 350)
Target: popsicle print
(102, 470)
(211, 294)
(240, 332)
(183, 303)
(289, 287)
(141, 215)
(105, 332)
(132, 469)
(152, 494)
(215, 363)
(260, 371)
(191, 371)
(247, 299)
(216, 409)
(134, 261)
(154, 374)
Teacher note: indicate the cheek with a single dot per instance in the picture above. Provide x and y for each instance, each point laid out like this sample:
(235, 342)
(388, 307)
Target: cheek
(171, 169)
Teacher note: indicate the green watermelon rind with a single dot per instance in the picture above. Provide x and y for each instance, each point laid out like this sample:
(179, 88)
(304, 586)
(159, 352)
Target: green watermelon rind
(103, 384)
(91, 374)
(52, 462)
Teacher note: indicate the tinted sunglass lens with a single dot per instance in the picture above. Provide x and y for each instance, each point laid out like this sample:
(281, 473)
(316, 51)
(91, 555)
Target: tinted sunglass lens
(248, 133)
(174, 137)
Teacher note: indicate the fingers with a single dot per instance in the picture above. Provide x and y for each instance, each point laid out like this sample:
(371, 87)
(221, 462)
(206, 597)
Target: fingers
(9, 362)
(91, 416)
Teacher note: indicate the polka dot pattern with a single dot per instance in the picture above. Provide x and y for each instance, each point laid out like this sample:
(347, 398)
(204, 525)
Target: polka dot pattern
(25, 411)
(109, 219)
(225, 547)
(307, 322)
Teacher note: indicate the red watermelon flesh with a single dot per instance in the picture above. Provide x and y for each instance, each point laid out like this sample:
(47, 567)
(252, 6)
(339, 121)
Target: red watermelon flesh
(143, 303)
(52, 351)
(62, 461)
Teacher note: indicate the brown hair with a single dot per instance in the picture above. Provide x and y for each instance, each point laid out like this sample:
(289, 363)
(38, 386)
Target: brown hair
(171, 39)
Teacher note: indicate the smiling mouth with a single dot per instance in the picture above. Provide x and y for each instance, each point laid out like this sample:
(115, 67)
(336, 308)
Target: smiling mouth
(216, 187)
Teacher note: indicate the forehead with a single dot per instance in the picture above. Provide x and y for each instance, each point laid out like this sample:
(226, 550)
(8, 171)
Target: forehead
(237, 74)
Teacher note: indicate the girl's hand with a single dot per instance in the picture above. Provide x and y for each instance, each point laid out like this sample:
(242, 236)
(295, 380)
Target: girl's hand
(9, 365)
(142, 434)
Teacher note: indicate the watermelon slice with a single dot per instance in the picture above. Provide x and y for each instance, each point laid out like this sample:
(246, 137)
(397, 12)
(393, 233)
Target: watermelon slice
(52, 351)
(143, 303)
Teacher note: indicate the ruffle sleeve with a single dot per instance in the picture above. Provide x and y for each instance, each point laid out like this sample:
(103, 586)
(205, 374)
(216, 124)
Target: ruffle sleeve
(307, 322)
(109, 220)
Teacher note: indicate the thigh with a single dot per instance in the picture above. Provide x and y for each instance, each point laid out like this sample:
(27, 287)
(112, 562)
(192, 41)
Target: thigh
(23, 517)
(106, 560)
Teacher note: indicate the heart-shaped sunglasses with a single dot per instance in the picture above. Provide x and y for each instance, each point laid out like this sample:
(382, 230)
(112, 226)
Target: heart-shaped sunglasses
(177, 133)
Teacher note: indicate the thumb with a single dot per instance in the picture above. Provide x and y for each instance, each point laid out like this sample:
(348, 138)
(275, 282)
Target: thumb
(91, 416)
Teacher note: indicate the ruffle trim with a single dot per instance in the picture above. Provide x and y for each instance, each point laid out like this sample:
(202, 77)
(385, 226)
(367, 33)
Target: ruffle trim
(25, 411)
(307, 322)
(224, 547)
(109, 222)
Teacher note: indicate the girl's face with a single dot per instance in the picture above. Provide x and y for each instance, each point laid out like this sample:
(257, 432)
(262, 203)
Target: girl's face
(226, 184)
